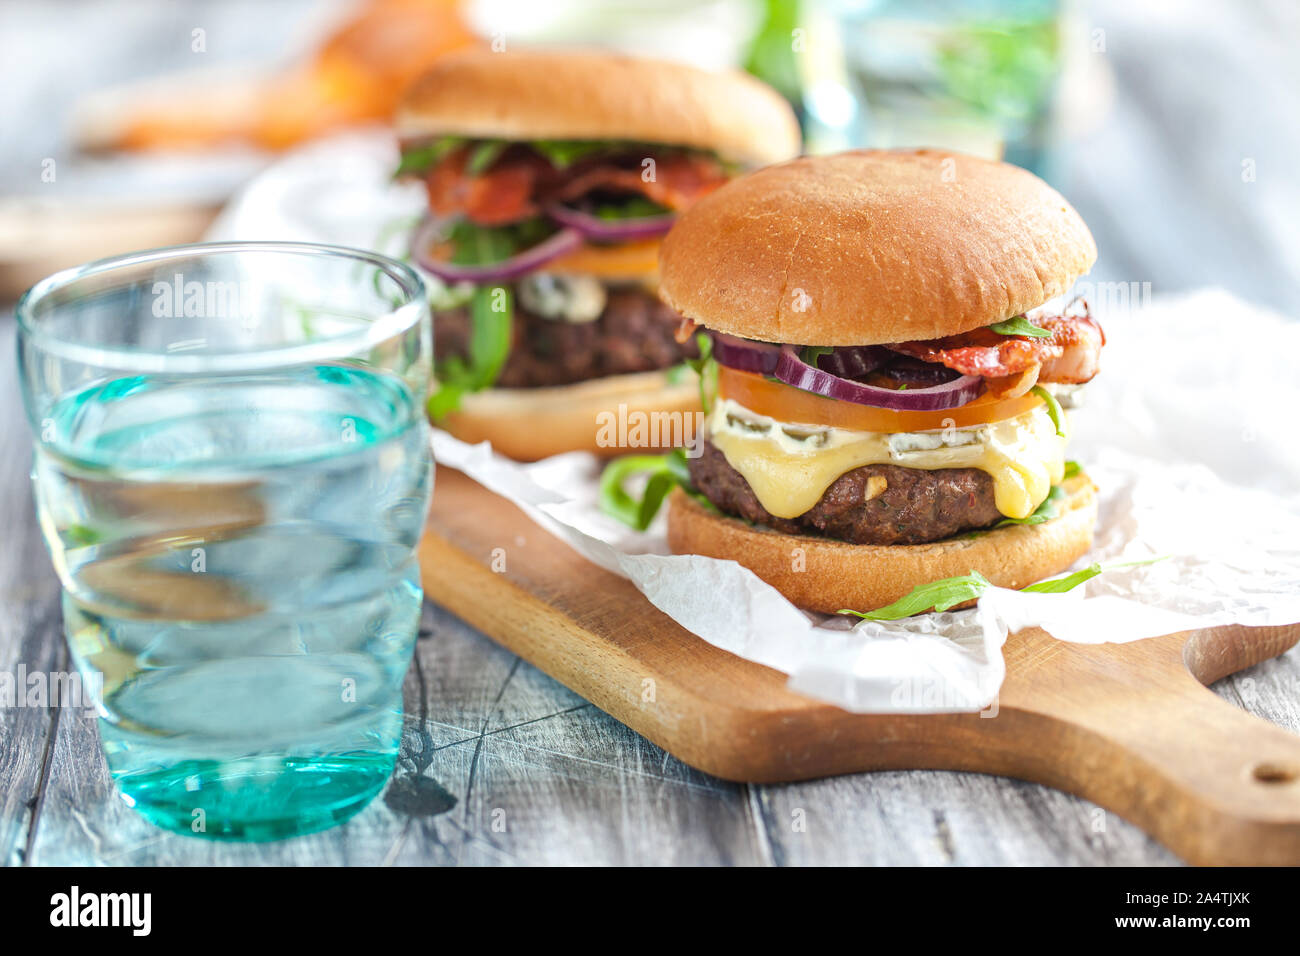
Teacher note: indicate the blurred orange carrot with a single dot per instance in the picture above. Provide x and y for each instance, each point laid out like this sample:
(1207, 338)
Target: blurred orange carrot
(356, 77)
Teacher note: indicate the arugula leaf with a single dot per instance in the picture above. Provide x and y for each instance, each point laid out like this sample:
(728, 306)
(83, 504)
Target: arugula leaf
(1072, 468)
(937, 595)
(562, 153)
(665, 472)
(420, 158)
(707, 369)
(447, 398)
(1053, 409)
(475, 245)
(636, 207)
(1019, 325)
(489, 341)
(811, 353)
(489, 346)
(484, 155)
(559, 153)
(943, 594)
(1061, 585)
(1044, 512)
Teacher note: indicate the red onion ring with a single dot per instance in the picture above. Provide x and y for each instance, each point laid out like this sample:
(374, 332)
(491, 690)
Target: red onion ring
(601, 230)
(566, 240)
(745, 355)
(793, 370)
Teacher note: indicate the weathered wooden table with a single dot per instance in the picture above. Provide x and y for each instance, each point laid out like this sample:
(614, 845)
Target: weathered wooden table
(502, 765)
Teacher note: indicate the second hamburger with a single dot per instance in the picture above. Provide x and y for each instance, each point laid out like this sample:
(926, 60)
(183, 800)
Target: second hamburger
(551, 178)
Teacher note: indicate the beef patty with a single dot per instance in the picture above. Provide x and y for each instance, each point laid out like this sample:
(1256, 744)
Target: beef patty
(915, 506)
(633, 334)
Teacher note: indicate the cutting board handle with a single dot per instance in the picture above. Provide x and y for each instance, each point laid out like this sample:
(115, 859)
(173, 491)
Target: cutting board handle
(1214, 783)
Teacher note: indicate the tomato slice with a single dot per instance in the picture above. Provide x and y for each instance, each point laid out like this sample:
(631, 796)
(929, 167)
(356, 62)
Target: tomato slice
(785, 403)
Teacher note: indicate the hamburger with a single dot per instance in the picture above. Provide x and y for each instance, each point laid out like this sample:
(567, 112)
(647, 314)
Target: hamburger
(551, 178)
(893, 353)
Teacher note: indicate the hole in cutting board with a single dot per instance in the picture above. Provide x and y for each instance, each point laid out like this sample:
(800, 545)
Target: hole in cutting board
(1273, 773)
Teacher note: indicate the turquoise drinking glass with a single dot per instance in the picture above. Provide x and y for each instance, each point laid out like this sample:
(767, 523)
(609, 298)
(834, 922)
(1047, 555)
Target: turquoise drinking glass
(232, 471)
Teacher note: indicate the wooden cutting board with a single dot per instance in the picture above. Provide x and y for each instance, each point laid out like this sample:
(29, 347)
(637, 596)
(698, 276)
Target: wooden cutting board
(1130, 727)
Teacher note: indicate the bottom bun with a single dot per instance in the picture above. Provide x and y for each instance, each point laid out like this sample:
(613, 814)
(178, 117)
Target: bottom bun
(825, 575)
(607, 416)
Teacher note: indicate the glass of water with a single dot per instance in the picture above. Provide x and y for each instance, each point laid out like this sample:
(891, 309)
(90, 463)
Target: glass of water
(232, 472)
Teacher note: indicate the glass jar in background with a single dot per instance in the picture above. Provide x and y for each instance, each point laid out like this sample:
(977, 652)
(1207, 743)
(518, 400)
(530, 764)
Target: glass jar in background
(232, 471)
(979, 76)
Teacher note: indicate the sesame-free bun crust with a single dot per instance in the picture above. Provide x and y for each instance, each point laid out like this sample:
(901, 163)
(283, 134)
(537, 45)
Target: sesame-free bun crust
(872, 246)
(532, 423)
(555, 94)
(836, 574)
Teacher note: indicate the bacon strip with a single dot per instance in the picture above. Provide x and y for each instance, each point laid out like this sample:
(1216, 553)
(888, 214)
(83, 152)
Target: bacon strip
(521, 183)
(501, 195)
(679, 180)
(1068, 356)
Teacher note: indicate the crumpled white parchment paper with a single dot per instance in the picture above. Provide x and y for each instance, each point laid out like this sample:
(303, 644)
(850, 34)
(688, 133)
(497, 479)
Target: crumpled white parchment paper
(1190, 433)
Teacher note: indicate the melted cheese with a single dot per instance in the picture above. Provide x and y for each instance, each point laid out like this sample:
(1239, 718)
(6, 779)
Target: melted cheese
(789, 467)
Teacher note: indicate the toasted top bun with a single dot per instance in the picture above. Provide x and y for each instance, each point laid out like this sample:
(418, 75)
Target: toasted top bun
(872, 246)
(553, 94)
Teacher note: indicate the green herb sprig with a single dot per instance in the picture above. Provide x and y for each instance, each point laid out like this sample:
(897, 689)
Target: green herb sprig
(936, 596)
(949, 592)
(489, 345)
(563, 153)
(812, 353)
(421, 158)
(633, 207)
(1044, 512)
(1019, 325)
(1054, 410)
(484, 155)
(665, 472)
(706, 367)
